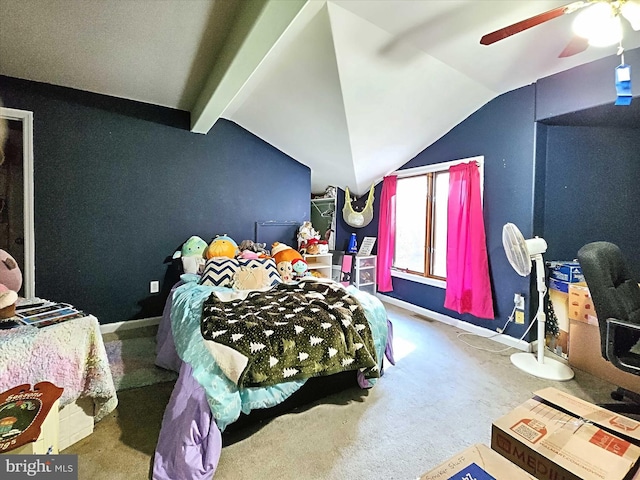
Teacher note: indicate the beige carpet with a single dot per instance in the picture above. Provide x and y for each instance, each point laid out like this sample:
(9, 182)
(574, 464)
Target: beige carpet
(439, 398)
(131, 355)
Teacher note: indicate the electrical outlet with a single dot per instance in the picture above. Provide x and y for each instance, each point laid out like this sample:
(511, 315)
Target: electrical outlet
(154, 286)
(520, 316)
(518, 301)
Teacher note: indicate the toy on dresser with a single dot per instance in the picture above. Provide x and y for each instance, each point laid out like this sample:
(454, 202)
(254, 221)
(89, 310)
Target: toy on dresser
(306, 236)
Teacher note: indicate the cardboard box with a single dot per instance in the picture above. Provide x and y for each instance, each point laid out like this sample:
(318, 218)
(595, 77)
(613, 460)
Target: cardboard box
(580, 304)
(559, 296)
(558, 285)
(478, 462)
(585, 354)
(570, 272)
(555, 435)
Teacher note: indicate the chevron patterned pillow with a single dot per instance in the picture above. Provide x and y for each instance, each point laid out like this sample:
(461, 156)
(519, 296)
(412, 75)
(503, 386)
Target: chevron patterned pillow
(219, 271)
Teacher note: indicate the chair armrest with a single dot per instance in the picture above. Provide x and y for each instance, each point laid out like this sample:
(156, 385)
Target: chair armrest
(614, 325)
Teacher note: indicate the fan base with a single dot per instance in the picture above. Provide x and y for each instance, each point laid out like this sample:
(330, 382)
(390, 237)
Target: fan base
(550, 369)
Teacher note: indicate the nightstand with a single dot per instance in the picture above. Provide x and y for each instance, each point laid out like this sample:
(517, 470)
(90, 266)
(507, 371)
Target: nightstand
(365, 273)
(320, 263)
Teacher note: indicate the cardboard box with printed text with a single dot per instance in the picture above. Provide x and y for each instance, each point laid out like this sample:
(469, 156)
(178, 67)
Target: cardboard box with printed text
(559, 297)
(565, 271)
(580, 304)
(555, 435)
(586, 355)
(478, 462)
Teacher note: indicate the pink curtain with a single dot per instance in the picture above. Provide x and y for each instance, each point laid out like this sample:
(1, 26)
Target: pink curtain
(386, 233)
(468, 284)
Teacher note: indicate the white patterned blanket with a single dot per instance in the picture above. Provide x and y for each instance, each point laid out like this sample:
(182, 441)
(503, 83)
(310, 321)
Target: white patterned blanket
(288, 332)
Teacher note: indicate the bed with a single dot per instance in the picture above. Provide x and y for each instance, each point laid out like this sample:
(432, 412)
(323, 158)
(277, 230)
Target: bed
(217, 385)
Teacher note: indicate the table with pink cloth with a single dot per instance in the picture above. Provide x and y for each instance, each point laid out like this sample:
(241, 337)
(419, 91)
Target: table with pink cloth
(70, 355)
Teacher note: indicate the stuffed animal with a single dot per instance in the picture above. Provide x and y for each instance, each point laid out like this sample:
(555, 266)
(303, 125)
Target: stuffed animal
(284, 255)
(285, 270)
(259, 248)
(248, 255)
(10, 274)
(300, 268)
(8, 299)
(192, 255)
(248, 278)
(306, 232)
(311, 247)
(222, 246)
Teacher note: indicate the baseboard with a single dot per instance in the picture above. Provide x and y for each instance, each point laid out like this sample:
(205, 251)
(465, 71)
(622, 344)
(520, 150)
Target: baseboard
(129, 325)
(468, 327)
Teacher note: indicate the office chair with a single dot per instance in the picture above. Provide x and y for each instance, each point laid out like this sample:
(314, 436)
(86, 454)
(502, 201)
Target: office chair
(616, 299)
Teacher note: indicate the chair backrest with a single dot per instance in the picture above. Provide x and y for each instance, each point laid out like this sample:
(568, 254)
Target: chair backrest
(614, 291)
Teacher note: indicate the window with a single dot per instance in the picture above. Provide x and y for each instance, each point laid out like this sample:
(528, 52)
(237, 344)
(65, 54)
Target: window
(421, 222)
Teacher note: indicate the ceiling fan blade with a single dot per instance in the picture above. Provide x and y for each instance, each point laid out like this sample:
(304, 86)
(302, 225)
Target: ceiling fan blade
(575, 46)
(522, 25)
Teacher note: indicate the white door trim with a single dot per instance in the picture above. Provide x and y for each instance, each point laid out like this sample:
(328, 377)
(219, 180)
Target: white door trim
(29, 269)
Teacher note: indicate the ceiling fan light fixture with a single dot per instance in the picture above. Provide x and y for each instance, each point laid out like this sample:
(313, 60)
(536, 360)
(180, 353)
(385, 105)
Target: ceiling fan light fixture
(631, 11)
(599, 24)
(609, 34)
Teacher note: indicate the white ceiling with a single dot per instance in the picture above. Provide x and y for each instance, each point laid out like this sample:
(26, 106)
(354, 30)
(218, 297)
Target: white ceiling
(352, 88)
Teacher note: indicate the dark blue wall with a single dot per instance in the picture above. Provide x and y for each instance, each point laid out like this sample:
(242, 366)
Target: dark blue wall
(120, 185)
(504, 132)
(567, 184)
(583, 87)
(344, 231)
(592, 190)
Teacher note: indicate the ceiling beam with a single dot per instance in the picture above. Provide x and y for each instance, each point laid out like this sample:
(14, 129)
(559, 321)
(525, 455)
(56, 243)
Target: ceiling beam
(259, 25)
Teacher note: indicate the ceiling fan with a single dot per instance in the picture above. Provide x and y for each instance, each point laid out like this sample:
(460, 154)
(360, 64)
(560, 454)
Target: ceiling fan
(597, 24)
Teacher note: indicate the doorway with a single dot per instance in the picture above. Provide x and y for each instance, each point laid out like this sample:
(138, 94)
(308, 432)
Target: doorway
(17, 235)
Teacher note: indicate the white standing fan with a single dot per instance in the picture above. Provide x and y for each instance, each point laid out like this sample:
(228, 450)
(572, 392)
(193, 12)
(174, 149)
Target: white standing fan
(521, 253)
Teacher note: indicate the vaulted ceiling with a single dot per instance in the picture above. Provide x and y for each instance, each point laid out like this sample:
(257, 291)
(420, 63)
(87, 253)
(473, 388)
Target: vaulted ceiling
(352, 88)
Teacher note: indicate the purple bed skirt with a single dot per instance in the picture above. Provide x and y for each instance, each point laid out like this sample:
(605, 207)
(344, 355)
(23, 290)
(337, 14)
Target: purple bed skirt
(190, 443)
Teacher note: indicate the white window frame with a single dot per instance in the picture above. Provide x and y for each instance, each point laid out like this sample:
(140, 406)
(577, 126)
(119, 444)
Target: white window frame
(436, 167)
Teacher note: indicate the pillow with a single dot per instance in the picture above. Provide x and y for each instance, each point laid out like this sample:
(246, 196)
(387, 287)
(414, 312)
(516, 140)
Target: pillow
(247, 278)
(268, 264)
(219, 271)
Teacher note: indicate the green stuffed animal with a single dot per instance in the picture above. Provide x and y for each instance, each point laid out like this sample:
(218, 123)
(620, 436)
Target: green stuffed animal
(192, 255)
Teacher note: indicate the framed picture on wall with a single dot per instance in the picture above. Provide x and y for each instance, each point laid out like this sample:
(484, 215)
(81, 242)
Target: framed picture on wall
(277, 231)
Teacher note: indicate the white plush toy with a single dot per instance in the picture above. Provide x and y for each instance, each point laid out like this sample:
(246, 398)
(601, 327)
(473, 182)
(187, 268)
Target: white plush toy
(306, 232)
